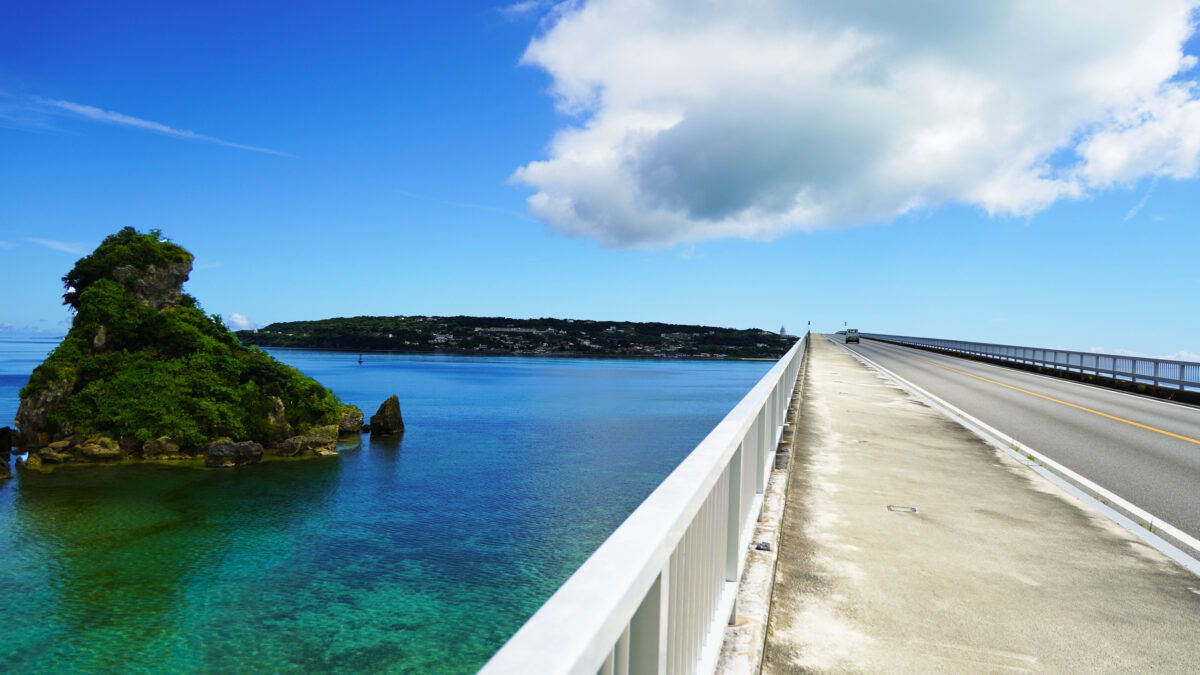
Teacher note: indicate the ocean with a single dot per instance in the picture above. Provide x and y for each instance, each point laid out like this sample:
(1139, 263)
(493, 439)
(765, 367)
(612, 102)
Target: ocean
(421, 554)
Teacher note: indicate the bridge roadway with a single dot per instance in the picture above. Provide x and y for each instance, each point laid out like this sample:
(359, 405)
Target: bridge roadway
(1145, 450)
(908, 544)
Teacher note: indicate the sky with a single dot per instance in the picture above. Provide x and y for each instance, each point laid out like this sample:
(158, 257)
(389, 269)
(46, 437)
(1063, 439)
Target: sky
(1021, 172)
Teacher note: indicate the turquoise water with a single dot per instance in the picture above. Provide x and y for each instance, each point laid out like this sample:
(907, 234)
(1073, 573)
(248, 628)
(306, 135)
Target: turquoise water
(417, 555)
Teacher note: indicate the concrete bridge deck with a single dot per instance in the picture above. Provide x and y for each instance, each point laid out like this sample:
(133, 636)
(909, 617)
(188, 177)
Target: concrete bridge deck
(996, 569)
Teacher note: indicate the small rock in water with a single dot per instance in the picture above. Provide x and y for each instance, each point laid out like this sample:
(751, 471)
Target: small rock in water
(388, 420)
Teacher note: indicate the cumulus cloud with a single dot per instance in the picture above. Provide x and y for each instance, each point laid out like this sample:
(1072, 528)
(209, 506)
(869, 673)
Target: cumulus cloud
(692, 121)
(241, 322)
(1183, 355)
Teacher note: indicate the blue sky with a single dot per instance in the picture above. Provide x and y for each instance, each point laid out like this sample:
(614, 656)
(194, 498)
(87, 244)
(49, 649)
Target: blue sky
(609, 160)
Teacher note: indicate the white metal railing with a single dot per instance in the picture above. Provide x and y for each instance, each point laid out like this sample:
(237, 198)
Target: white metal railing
(1182, 375)
(658, 593)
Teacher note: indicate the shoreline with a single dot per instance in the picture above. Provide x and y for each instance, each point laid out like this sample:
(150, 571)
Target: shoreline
(194, 462)
(565, 355)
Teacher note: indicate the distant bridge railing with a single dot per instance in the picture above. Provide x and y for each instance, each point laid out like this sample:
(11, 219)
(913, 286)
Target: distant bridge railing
(658, 593)
(1182, 375)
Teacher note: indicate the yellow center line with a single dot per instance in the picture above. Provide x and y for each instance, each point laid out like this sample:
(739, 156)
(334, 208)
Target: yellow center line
(1043, 396)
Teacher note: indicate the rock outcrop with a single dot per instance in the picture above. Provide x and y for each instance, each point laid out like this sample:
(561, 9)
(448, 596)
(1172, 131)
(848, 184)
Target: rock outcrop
(277, 424)
(387, 420)
(7, 436)
(99, 450)
(156, 286)
(352, 420)
(161, 448)
(33, 414)
(77, 449)
(58, 452)
(321, 441)
(228, 454)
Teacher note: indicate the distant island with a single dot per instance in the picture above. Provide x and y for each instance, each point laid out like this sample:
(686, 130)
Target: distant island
(544, 337)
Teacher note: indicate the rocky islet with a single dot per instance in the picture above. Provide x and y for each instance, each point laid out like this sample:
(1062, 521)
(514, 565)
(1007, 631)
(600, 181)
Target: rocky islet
(387, 421)
(145, 375)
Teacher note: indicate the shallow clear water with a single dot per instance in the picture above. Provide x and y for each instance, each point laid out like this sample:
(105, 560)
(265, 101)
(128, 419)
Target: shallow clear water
(417, 555)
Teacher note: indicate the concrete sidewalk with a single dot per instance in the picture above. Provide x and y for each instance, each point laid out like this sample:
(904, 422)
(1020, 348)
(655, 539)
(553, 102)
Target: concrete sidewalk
(997, 570)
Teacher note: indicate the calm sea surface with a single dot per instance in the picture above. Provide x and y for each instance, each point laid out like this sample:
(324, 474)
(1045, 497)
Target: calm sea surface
(419, 555)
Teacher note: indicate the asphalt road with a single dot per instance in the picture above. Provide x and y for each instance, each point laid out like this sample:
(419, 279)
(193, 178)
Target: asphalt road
(1150, 456)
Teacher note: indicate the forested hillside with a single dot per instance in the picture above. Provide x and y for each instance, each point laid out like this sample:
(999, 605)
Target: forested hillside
(498, 335)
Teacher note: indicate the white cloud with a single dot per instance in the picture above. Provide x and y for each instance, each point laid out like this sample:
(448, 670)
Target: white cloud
(464, 205)
(28, 331)
(1183, 355)
(109, 117)
(64, 246)
(1115, 352)
(241, 322)
(751, 119)
(7, 244)
(525, 8)
(1137, 208)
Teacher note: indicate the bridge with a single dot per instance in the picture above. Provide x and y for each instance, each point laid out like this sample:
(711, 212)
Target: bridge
(897, 506)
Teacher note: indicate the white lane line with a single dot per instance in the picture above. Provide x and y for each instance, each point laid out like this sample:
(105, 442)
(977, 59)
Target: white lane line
(1006, 443)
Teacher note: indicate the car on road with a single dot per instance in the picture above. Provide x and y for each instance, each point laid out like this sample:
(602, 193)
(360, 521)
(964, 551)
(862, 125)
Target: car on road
(851, 335)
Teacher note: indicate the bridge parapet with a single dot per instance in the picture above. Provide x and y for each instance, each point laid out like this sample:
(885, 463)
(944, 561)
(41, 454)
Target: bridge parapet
(1182, 375)
(658, 593)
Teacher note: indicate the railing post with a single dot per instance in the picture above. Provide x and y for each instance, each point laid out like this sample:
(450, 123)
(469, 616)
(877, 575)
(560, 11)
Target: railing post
(621, 654)
(648, 630)
(771, 413)
(761, 463)
(733, 547)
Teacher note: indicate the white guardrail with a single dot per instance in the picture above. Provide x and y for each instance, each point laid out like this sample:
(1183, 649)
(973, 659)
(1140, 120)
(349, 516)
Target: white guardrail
(1182, 375)
(658, 593)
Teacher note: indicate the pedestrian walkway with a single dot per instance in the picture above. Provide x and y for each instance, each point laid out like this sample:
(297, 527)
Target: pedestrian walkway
(910, 545)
